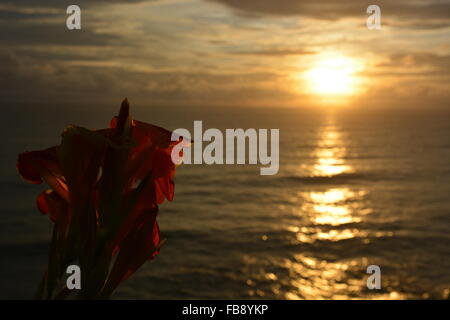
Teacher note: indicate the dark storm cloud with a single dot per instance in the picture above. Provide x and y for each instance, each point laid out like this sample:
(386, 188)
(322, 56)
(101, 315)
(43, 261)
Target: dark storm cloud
(338, 9)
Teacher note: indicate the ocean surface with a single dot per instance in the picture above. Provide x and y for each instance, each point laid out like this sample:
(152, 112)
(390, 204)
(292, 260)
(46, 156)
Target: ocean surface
(356, 187)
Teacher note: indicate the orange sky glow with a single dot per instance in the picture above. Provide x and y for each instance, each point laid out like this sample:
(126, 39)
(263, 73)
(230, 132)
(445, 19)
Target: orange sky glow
(232, 53)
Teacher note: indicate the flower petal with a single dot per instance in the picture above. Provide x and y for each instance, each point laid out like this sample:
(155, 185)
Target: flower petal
(36, 166)
(141, 244)
(50, 203)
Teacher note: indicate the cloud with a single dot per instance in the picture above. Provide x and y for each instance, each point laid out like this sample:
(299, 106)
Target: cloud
(30, 23)
(64, 3)
(34, 78)
(275, 52)
(198, 52)
(41, 34)
(416, 64)
(337, 9)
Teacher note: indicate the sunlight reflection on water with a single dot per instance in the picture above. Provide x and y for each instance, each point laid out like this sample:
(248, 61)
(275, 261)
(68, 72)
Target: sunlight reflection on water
(329, 210)
(320, 279)
(332, 206)
(330, 153)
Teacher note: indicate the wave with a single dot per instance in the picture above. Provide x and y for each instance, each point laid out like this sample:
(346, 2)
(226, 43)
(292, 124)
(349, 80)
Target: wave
(336, 179)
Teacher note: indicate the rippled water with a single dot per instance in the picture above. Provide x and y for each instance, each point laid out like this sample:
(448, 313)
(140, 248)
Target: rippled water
(355, 188)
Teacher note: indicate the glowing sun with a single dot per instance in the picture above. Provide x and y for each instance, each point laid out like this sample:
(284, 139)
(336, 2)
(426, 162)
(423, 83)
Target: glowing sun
(332, 76)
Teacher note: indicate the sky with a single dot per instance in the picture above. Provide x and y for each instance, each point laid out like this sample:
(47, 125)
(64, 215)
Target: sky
(227, 53)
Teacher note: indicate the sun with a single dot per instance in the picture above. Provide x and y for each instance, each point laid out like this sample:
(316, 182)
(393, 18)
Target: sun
(332, 77)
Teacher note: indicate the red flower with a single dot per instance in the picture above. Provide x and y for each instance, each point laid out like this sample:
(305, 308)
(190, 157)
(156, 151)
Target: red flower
(105, 189)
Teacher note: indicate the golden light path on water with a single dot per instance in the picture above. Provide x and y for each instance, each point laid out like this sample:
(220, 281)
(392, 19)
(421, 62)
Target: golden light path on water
(329, 210)
(330, 206)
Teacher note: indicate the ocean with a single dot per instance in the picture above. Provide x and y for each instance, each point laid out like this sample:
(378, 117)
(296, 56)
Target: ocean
(356, 187)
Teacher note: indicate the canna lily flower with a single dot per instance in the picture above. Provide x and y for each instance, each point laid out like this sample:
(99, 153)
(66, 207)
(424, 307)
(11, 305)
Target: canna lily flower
(105, 188)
